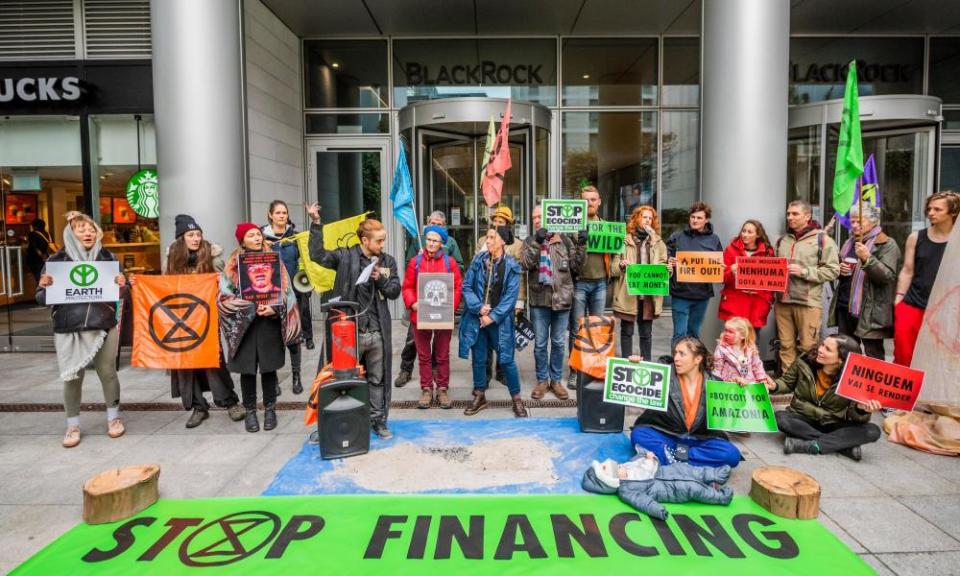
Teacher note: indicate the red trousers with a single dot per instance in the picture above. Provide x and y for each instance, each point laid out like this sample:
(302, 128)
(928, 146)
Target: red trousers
(906, 327)
(433, 345)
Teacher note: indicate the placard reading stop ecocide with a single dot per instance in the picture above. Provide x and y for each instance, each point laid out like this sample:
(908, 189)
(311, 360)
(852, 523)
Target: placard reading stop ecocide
(567, 216)
(637, 384)
(82, 282)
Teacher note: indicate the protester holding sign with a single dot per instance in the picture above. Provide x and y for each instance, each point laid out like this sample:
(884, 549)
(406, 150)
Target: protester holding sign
(280, 228)
(85, 332)
(813, 262)
(433, 346)
(863, 304)
(818, 420)
(690, 299)
(191, 254)
(490, 291)
(551, 261)
(590, 288)
(680, 434)
(753, 305)
(255, 334)
(922, 255)
(374, 349)
(642, 245)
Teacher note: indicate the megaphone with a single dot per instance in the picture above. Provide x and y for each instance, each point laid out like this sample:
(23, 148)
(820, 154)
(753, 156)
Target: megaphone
(301, 283)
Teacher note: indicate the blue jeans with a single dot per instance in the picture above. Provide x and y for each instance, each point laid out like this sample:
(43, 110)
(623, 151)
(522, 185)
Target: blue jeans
(489, 339)
(710, 451)
(687, 317)
(589, 297)
(550, 325)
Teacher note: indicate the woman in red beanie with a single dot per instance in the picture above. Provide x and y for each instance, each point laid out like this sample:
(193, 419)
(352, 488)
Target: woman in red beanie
(255, 334)
(750, 304)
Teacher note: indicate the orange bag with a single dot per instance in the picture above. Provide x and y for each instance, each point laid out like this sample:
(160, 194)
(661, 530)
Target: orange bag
(593, 345)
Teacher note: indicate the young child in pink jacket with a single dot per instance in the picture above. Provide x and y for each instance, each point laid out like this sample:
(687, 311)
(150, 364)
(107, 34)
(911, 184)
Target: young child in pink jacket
(737, 358)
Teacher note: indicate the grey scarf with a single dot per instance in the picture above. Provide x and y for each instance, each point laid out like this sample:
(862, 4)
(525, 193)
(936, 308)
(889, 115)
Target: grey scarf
(75, 350)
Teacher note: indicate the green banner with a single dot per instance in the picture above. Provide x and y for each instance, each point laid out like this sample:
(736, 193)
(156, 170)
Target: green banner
(606, 237)
(736, 408)
(637, 384)
(569, 216)
(648, 280)
(462, 535)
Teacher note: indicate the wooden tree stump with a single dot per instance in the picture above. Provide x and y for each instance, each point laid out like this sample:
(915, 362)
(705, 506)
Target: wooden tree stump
(121, 493)
(786, 492)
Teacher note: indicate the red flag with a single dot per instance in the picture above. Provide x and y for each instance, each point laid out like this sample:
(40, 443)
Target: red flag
(492, 184)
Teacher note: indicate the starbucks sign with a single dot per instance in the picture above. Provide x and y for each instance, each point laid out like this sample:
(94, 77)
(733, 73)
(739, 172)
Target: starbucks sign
(142, 193)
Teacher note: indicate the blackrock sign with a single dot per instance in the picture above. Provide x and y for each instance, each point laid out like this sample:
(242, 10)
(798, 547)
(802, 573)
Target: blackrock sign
(463, 535)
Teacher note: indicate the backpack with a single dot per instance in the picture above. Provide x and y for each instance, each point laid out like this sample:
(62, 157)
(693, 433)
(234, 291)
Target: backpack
(416, 264)
(820, 242)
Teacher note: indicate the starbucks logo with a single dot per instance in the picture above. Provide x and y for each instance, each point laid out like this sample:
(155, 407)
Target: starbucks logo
(83, 275)
(143, 194)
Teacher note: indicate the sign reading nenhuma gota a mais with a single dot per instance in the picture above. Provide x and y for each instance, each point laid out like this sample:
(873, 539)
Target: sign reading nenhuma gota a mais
(569, 216)
(462, 535)
(637, 384)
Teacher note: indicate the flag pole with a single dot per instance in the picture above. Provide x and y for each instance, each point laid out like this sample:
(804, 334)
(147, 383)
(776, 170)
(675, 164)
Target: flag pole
(416, 201)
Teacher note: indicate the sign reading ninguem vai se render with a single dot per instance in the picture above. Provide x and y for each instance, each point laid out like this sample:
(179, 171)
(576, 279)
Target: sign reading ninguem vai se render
(468, 535)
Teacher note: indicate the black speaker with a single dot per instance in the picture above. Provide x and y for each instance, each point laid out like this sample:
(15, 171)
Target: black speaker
(593, 414)
(343, 420)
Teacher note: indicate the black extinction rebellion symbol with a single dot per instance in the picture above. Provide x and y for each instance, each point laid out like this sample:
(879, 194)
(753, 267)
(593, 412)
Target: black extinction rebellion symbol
(191, 322)
(229, 539)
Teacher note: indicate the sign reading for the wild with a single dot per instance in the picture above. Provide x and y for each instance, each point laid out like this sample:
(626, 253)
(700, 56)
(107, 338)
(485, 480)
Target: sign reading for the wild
(175, 321)
(736, 408)
(82, 282)
(637, 384)
(648, 280)
(762, 273)
(435, 300)
(260, 280)
(606, 237)
(894, 386)
(463, 535)
(564, 215)
(700, 267)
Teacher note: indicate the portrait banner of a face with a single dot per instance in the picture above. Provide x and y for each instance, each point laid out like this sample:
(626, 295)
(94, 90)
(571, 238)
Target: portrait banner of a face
(259, 274)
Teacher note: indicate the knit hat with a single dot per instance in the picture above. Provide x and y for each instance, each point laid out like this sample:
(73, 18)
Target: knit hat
(185, 223)
(503, 212)
(505, 233)
(242, 229)
(444, 236)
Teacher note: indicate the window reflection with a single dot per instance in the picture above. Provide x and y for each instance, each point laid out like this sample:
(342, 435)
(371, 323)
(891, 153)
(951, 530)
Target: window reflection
(609, 71)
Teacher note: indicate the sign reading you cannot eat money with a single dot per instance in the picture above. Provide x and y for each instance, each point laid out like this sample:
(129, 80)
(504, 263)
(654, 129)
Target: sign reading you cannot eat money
(564, 215)
(736, 408)
(700, 267)
(605, 237)
(82, 282)
(648, 280)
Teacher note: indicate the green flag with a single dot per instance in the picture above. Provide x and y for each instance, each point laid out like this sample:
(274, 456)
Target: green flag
(850, 147)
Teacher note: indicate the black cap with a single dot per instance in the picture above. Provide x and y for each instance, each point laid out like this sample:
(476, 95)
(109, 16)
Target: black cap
(505, 233)
(185, 223)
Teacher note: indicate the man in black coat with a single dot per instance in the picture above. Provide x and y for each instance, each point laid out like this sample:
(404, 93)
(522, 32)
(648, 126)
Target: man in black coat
(374, 349)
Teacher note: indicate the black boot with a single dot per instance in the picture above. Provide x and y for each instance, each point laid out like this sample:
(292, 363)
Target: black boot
(250, 422)
(798, 446)
(297, 387)
(269, 417)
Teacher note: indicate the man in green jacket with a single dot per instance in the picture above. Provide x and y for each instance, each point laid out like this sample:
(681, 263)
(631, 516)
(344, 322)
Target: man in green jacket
(813, 261)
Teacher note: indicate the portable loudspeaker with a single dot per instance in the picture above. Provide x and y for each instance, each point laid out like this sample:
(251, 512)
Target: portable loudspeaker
(343, 422)
(593, 414)
(301, 282)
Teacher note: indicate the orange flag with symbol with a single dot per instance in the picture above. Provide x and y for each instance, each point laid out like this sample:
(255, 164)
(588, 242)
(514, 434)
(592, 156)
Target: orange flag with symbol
(175, 322)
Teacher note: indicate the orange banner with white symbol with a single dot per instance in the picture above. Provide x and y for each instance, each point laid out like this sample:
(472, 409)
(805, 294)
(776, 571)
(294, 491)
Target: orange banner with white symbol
(175, 322)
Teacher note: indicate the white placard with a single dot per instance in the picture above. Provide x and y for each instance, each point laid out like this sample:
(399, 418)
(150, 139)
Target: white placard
(82, 282)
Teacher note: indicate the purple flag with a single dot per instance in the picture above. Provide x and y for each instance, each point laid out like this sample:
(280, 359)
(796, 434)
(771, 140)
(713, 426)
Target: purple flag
(868, 186)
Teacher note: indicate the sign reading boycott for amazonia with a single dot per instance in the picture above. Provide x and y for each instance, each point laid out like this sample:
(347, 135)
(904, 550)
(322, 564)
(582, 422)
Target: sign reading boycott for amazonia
(762, 273)
(175, 322)
(564, 215)
(734, 408)
(82, 282)
(700, 267)
(606, 237)
(865, 378)
(463, 535)
(648, 280)
(638, 384)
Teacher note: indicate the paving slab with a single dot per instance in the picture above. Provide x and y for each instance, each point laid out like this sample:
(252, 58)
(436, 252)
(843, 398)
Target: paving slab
(884, 525)
(923, 564)
(942, 510)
